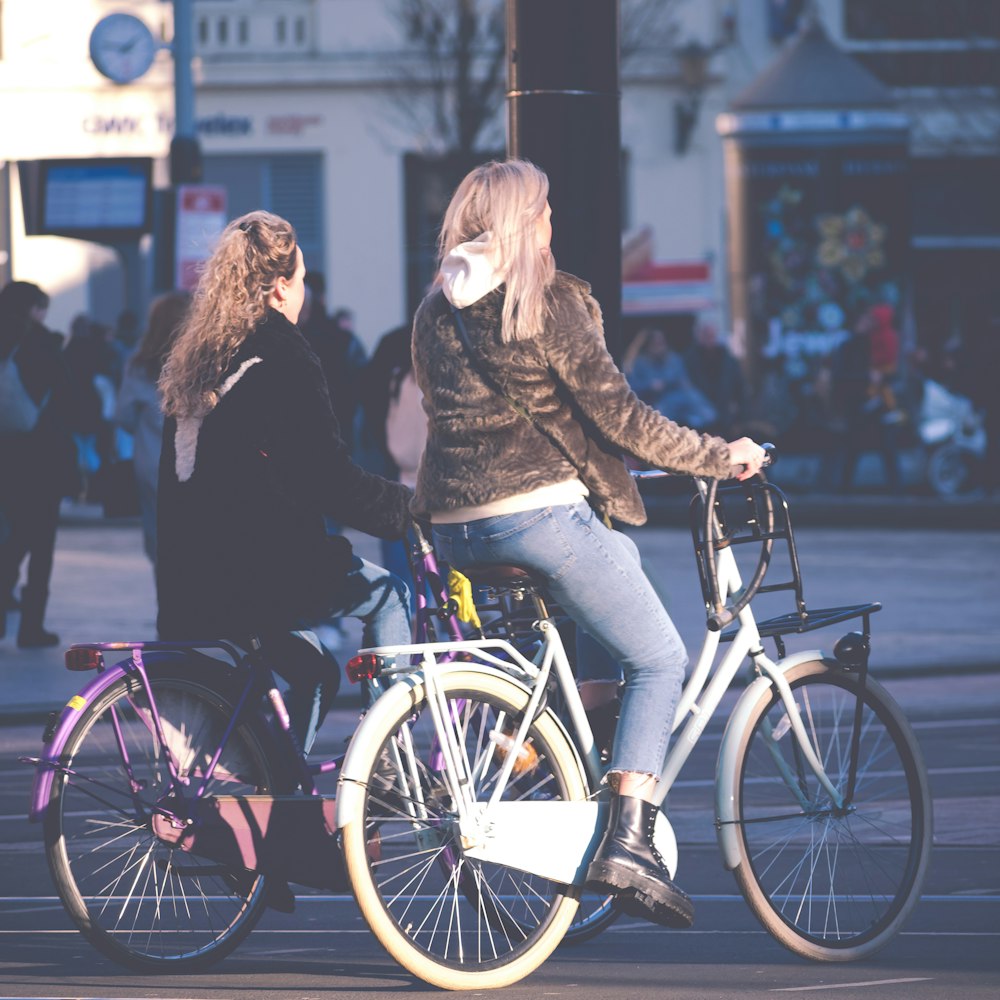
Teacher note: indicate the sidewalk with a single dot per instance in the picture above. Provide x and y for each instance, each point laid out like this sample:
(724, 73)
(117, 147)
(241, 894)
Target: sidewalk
(939, 589)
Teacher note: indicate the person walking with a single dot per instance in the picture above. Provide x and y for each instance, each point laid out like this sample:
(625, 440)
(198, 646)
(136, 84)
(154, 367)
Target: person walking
(252, 462)
(138, 408)
(528, 418)
(37, 454)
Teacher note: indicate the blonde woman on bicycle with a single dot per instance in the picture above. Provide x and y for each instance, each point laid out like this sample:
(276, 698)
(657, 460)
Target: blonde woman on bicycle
(528, 417)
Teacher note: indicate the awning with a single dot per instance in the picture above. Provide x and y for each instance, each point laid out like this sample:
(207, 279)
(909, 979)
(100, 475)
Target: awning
(668, 287)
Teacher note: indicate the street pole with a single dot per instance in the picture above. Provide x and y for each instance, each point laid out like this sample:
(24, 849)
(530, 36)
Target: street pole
(185, 150)
(563, 111)
(183, 52)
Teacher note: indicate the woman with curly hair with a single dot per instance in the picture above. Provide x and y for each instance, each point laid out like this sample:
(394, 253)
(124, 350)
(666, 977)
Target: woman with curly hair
(252, 463)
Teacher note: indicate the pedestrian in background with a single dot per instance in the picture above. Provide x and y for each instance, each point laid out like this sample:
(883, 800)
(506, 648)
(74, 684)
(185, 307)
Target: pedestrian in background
(138, 408)
(37, 454)
(861, 427)
(659, 377)
(91, 361)
(339, 351)
(717, 375)
(393, 428)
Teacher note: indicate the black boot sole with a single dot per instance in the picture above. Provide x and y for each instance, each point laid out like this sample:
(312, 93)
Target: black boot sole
(677, 914)
(642, 897)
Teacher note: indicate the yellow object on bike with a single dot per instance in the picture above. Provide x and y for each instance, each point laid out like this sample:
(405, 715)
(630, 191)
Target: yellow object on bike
(460, 590)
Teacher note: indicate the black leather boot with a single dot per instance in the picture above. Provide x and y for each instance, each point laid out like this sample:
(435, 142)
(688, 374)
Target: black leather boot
(628, 865)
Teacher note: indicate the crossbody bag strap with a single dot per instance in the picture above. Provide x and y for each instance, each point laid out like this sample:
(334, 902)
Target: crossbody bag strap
(491, 381)
(520, 409)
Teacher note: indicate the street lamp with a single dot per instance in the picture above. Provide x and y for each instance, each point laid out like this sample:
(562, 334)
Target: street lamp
(692, 60)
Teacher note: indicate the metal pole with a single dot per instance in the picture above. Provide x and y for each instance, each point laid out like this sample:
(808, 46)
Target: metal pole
(563, 107)
(6, 261)
(183, 51)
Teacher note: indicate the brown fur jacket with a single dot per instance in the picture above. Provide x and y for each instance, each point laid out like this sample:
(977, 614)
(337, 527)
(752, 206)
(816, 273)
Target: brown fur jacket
(479, 449)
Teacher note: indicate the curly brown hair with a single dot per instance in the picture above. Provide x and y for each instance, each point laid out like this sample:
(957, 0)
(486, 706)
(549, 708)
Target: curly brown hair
(230, 300)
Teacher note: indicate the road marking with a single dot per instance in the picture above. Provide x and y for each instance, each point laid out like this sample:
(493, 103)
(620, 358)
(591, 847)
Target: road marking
(969, 897)
(847, 986)
(620, 927)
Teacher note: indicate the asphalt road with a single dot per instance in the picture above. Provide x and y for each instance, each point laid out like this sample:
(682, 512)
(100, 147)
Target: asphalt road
(950, 948)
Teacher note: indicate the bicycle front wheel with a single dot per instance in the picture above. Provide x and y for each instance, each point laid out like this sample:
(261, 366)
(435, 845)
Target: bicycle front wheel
(454, 921)
(137, 899)
(832, 884)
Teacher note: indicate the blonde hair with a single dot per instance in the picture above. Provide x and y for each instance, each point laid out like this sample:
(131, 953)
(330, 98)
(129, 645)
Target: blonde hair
(230, 300)
(506, 199)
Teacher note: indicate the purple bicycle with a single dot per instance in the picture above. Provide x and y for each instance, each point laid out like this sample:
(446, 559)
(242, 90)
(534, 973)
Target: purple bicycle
(176, 805)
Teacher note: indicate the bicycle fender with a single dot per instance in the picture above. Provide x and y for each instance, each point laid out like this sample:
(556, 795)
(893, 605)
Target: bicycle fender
(725, 770)
(400, 696)
(52, 757)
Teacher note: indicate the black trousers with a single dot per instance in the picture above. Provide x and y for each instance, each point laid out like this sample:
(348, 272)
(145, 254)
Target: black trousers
(32, 515)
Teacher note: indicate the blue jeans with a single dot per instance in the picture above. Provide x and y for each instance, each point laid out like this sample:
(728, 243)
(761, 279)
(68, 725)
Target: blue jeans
(594, 573)
(381, 600)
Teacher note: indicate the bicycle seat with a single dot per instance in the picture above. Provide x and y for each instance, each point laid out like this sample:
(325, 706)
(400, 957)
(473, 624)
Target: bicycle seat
(498, 575)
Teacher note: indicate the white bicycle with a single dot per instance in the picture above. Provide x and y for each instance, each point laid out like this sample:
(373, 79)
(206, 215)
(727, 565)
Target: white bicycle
(470, 801)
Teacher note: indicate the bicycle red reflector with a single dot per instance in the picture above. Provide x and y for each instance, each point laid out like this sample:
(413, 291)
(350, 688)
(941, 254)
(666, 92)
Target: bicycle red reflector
(84, 659)
(365, 666)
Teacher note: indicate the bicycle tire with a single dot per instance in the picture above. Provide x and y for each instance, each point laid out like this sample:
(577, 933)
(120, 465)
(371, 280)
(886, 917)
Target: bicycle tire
(138, 900)
(407, 874)
(832, 886)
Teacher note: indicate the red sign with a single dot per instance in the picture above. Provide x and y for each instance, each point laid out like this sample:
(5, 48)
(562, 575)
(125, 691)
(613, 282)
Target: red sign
(201, 217)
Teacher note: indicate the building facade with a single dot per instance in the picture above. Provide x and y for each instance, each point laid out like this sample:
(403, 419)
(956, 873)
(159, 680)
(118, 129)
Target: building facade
(323, 111)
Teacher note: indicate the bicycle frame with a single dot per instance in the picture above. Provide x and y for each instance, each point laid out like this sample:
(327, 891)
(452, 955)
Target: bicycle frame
(257, 675)
(483, 827)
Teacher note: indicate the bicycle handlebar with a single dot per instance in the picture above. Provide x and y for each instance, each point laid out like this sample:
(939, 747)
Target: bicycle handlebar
(771, 457)
(722, 616)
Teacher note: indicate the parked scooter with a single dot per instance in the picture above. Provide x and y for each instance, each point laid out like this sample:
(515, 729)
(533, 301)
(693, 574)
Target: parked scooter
(953, 432)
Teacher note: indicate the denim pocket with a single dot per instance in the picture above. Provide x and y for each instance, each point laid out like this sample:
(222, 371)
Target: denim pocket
(497, 529)
(535, 539)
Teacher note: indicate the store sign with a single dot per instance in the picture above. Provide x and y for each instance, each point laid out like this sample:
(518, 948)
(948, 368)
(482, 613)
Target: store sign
(201, 217)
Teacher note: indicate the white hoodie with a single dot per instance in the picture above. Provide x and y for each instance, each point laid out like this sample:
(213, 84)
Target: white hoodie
(468, 272)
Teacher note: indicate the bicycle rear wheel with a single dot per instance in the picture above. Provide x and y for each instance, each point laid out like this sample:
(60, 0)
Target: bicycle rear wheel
(137, 899)
(832, 884)
(451, 920)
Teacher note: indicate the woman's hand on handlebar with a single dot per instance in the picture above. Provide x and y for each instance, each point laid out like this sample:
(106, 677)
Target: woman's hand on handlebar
(746, 457)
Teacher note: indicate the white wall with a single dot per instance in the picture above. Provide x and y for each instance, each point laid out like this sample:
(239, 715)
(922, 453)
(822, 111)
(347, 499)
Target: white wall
(329, 97)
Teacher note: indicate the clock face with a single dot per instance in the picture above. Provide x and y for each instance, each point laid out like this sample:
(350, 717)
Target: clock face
(122, 47)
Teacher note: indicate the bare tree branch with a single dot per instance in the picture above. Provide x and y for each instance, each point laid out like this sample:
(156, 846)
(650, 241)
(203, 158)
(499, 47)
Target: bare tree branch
(458, 86)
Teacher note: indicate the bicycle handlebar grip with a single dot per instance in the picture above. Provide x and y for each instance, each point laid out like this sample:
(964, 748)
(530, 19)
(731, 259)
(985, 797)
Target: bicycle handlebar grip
(772, 453)
(718, 620)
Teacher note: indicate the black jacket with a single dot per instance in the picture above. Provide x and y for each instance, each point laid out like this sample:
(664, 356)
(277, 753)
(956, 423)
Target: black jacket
(44, 459)
(242, 545)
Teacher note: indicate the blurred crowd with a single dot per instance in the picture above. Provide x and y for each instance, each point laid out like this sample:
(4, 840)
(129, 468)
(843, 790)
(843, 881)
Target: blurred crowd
(80, 415)
(867, 395)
